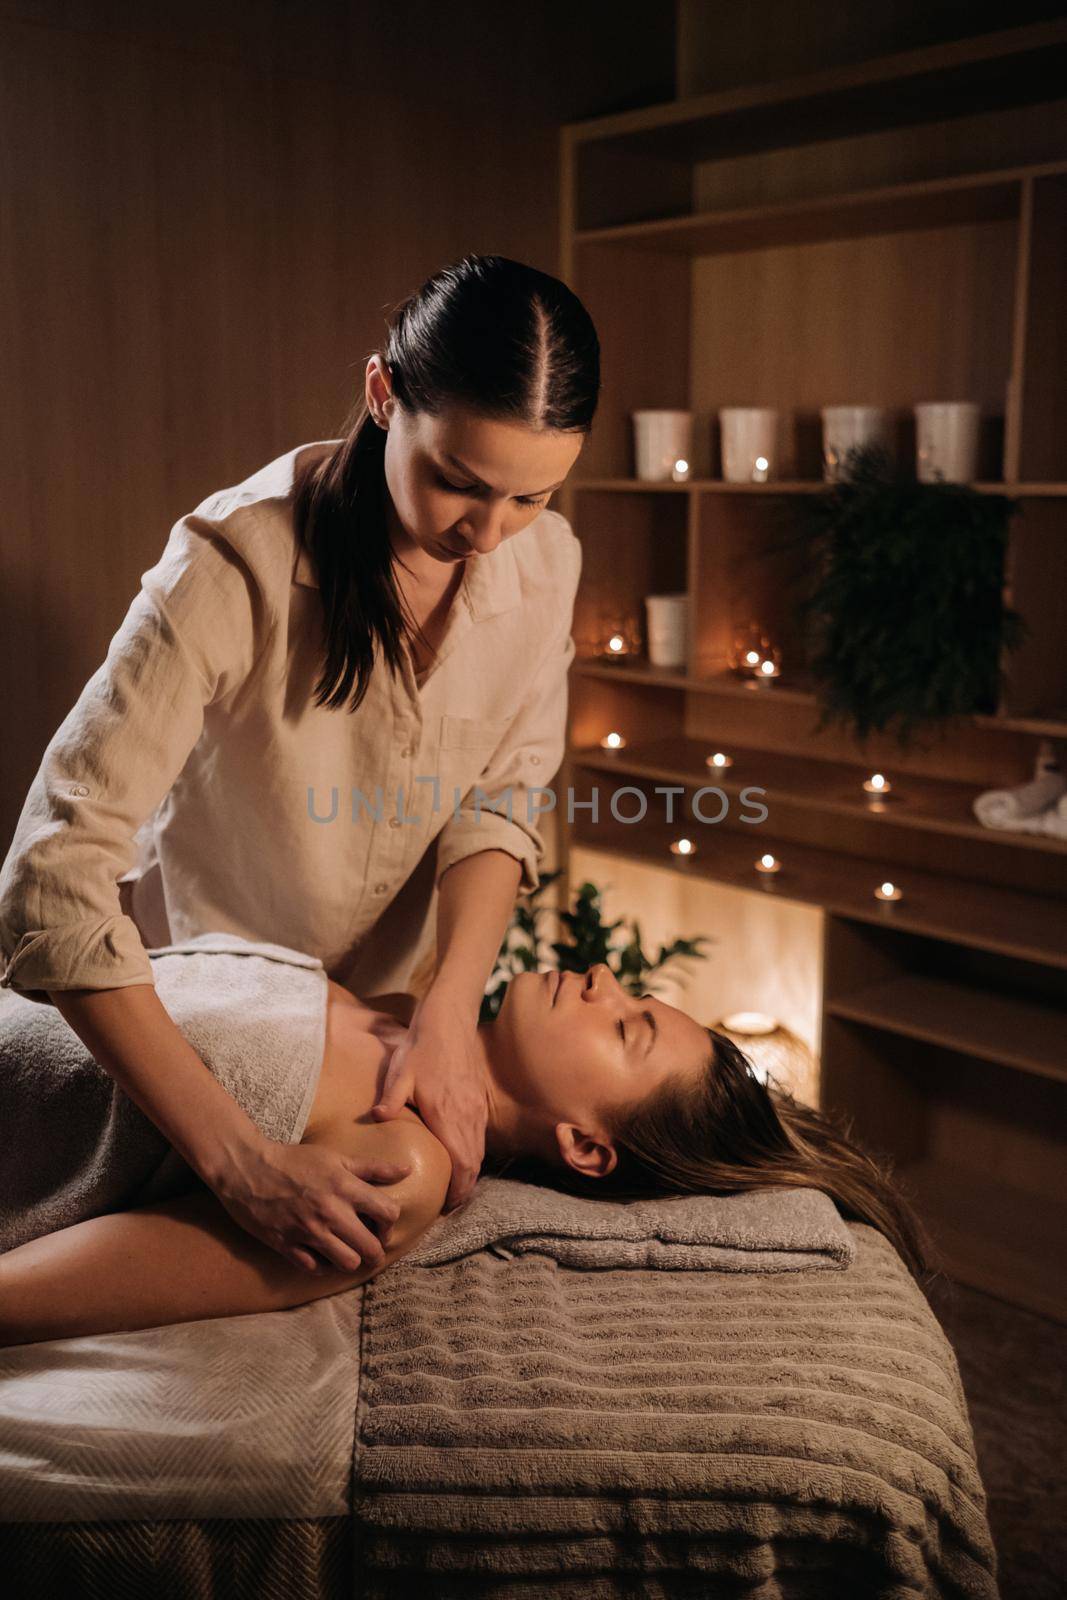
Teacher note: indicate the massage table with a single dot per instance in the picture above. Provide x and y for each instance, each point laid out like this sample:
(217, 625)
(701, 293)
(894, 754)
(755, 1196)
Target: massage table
(503, 1425)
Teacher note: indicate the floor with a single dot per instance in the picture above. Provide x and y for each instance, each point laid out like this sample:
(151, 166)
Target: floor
(1014, 1369)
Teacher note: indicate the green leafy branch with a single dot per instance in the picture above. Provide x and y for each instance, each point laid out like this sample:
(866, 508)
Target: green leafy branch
(589, 940)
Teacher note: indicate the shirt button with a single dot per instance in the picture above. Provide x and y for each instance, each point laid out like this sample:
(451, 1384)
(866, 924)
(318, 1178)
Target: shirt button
(78, 788)
(408, 750)
(535, 761)
(380, 888)
(394, 822)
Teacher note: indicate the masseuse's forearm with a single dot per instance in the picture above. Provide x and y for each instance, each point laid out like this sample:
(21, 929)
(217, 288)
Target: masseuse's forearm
(476, 898)
(134, 1038)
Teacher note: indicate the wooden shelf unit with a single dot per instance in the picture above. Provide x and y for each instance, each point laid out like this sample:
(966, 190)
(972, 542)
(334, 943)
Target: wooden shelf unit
(823, 241)
(952, 1061)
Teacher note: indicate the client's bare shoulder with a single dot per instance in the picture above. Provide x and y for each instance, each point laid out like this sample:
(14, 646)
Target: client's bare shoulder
(421, 1193)
(360, 1038)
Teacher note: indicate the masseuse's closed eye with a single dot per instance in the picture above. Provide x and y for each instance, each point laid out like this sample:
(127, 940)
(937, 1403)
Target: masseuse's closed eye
(473, 488)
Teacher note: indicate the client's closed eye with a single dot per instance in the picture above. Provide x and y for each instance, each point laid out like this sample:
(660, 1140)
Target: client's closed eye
(650, 1024)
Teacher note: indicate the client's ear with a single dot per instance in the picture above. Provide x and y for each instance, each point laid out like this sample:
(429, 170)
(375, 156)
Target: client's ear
(589, 1153)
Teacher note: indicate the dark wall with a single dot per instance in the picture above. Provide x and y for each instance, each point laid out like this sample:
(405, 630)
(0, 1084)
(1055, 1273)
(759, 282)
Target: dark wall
(210, 208)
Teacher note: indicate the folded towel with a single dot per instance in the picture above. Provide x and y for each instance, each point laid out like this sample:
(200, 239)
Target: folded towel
(1007, 808)
(525, 1431)
(1051, 820)
(75, 1145)
(762, 1230)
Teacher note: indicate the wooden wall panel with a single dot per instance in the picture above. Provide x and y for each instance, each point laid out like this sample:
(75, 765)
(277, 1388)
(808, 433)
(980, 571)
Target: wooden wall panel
(208, 212)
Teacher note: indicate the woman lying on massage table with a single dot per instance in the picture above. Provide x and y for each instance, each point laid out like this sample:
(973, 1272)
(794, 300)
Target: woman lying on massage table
(589, 1088)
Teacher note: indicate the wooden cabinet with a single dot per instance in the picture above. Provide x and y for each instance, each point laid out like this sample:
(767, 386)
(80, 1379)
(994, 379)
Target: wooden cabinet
(882, 234)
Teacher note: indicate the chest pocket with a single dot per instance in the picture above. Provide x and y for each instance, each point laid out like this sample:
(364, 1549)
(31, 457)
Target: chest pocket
(473, 733)
(467, 743)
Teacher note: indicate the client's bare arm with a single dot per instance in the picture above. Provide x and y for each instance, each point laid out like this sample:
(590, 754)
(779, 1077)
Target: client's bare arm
(177, 1260)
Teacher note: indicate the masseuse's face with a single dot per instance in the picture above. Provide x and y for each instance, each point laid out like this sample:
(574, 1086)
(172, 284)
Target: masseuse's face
(459, 484)
(568, 1045)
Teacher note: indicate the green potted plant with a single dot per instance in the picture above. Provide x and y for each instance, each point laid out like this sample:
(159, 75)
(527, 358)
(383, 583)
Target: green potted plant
(903, 611)
(589, 940)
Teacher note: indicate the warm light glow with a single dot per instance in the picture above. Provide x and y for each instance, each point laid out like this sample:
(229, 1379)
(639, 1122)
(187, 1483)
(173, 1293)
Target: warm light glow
(762, 463)
(613, 741)
(719, 760)
(616, 642)
(767, 668)
(877, 783)
(683, 847)
(750, 1022)
(752, 657)
(888, 891)
(768, 863)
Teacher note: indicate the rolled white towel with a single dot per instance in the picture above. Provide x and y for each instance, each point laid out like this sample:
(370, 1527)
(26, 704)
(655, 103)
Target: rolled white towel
(1010, 808)
(1053, 820)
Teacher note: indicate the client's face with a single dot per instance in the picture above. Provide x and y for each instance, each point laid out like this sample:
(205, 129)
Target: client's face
(568, 1046)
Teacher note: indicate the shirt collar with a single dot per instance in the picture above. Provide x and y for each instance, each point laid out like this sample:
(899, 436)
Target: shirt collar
(490, 583)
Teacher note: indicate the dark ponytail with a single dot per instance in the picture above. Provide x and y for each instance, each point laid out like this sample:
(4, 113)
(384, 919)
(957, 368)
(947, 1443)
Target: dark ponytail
(496, 337)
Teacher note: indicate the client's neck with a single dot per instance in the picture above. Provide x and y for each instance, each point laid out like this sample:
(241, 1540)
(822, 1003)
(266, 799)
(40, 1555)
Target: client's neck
(513, 1129)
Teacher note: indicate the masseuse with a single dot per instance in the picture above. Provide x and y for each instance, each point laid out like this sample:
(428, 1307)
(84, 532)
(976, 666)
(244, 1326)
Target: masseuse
(332, 674)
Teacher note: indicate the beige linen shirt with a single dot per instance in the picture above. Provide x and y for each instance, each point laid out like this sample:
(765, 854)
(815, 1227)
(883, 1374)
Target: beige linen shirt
(195, 756)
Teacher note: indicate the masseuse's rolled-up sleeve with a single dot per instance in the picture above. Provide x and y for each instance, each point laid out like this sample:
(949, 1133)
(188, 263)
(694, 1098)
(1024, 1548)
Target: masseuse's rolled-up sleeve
(525, 760)
(189, 636)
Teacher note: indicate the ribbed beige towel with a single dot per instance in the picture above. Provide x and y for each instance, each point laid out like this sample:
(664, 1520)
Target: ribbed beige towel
(76, 1146)
(762, 1230)
(526, 1430)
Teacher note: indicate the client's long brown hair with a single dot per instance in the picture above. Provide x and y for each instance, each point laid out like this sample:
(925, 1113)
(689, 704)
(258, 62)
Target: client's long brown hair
(730, 1132)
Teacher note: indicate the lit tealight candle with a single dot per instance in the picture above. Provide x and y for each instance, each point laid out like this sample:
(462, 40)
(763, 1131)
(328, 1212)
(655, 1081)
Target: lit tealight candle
(888, 891)
(683, 847)
(617, 644)
(768, 863)
(613, 741)
(719, 760)
(768, 668)
(680, 471)
(877, 784)
(760, 468)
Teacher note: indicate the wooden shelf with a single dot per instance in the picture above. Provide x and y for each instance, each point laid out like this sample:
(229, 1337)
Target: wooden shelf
(993, 1235)
(702, 485)
(1012, 66)
(939, 202)
(936, 805)
(787, 486)
(1045, 727)
(1022, 1034)
(640, 672)
(982, 916)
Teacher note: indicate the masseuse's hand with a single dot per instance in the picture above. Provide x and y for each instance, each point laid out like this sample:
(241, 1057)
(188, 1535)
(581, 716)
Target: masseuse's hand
(435, 1069)
(303, 1199)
